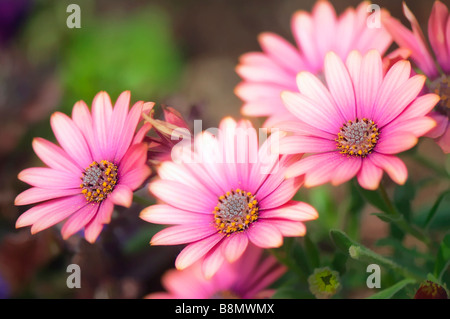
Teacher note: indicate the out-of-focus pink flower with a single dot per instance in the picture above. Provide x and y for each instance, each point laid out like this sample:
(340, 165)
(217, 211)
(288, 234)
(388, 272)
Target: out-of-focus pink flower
(266, 74)
(101, 160)
(226, 193)
(247, 278)
(434, 62)
(356, 124)
(168, 134)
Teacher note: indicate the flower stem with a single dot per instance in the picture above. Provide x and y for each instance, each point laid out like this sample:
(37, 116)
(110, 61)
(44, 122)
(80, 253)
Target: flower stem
(399, 219)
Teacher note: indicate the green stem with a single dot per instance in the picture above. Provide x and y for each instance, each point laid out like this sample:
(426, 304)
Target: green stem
(399, 219)
(288, 263)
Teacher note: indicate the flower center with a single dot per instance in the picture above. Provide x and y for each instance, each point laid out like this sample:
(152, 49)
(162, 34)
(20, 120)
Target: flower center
(98, 181)
(441, 87)
(357, 138)
(235, 211)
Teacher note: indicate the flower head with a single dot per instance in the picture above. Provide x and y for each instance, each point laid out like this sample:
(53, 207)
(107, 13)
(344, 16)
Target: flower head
(229, 193)
(324, 283)
(266, 74)
(430, 290)
(433, 61)
(99, 163)
(356, 124)
(247, 278)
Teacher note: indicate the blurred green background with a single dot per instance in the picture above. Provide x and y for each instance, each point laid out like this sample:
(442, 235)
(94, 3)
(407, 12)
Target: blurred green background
(179, 53)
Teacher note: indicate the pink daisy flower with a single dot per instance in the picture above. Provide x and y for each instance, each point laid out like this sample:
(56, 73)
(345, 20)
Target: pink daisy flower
(434, 62)
(247, 278)
(99, 163)
(231, 194)
(266, 74)
(356, 124)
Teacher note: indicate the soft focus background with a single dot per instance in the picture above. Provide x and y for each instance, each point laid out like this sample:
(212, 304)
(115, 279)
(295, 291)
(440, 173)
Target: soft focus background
(174, 52)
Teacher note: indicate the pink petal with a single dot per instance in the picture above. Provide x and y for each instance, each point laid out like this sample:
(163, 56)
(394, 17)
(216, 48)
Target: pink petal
(49, 178)
(101, 118)
(309, 112)
(183, 234)
(36, 195)
(122, 195)
(302, 26)
(324, 20)
(134, 178)
(267, 72)
(71, 139)
(395, 143)
(281, 195)
(412, 41)
(340, 85)
(416, 126)
(369, 83)
(177, 195)
(55, 213)
(165, 214)
(399, 100)
(264, 235)
(444, 141)
(395, 167)
(118, 120)
(56, 209)
(251, 91)
(310, 86)
(95, 225)
(419, 107)
(441, 125)
(305, 164)
(212, 262)
(324, 173)
(234, 246)
(129, 130)
(437, 27)
(289, 228)
(53, 156)
(78, 220)
(281, 51)
(135, 157)
(298, 144)
(293, 210)
(193, 252)
(82, 118)
(369, 176)
(346, 170)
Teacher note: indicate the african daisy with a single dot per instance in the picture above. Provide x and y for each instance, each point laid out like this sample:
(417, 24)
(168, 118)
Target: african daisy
(435, 66)
(266, 74)
(247, 278)
(231, 194)
(99, 163)
(355, 124)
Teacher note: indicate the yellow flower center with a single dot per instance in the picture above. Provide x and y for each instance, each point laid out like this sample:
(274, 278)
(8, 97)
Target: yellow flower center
(357, 138)
(235, 211)
(98, 181)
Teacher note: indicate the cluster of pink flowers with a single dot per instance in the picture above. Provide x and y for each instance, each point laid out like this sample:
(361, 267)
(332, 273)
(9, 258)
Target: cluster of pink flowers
(336, 107)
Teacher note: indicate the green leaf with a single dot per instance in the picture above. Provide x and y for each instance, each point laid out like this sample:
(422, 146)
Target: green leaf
(312, 253)
(374, 198)
(435, 207)
(403, 196)
(391, 291)
(443, 258)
